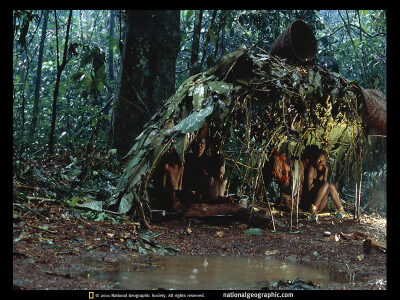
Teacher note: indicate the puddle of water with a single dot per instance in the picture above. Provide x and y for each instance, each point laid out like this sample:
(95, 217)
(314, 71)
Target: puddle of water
(212, 273)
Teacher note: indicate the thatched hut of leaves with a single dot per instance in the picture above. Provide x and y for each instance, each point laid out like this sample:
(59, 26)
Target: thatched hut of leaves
(254, 103)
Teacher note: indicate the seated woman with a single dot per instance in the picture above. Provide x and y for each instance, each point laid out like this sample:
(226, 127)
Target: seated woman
(278, 169)
(196, 176)
(215, 202)
(316, 187)
(217, 180)
(308, 154)
(169, 181)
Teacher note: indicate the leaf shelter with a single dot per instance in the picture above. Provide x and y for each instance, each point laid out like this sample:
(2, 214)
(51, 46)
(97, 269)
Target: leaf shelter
(254, 104)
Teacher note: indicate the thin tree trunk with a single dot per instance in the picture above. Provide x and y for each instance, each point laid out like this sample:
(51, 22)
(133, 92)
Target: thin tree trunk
(60, 69)
(110, 49)
(38, 76)
(94, 25)
(347, 27)
(111, 77)
(222, 42)
(208, 38)
(23, 75)
(221, 25)
(362, 48)
(194, 67)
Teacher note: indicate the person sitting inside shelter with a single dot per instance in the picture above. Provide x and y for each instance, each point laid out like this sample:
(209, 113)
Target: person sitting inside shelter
(169, 181)
(196, 177)
(171, 196)
(317, 188)
(278, 169)
(308, 154)
(214, 202)
(217, 181)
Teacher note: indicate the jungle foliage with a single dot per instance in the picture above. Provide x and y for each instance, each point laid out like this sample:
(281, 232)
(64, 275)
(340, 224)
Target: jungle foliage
(255, 104)
(90, 61)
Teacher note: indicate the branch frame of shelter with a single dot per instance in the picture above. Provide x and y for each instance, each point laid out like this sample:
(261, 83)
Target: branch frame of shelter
(254, 103)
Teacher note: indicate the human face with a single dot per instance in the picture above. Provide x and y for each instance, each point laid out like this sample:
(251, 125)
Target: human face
(321, 162)
(201, 146)
(171, 149)
(222, 171)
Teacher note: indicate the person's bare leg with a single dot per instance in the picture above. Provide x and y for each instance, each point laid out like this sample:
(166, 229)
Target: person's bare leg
(323, 193)
(176, 204)
(328, 189)
(335, 196)
(323, 203)
(180, 174)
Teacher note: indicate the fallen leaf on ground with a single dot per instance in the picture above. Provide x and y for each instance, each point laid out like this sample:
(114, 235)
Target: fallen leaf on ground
(271, 252)
(253, 231)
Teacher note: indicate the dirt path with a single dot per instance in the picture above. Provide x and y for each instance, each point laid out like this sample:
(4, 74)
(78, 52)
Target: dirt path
(46, 248)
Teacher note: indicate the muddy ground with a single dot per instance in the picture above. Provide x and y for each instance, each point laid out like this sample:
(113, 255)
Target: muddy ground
(52, 246)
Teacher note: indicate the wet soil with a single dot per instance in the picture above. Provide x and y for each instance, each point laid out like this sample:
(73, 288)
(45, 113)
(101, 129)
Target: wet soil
(53, 251)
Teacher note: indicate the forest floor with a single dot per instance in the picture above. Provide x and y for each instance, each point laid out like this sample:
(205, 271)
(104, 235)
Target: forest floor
(53, 246)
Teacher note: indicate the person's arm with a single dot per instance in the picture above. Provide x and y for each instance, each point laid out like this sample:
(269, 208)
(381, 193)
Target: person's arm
(325, 174)
(222, 187)
(164, 182)
(310, 176)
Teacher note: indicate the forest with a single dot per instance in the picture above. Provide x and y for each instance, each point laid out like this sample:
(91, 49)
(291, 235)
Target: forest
(100, 96)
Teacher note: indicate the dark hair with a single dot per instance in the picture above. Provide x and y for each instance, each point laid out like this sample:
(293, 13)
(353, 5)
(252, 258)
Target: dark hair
(309, 151)
(196, 141)
(171, 158)
(317, 154)
(312, 152)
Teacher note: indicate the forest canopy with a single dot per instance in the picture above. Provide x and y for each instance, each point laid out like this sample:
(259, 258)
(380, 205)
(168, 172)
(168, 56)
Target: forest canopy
(69, 89)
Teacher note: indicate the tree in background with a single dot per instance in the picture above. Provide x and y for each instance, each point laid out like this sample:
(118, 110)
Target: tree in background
(194, 67)
(78, 116)
(209, 34)
(356, 38)
(38, 75)
(110, 48)
(60, 69)
(147, 75)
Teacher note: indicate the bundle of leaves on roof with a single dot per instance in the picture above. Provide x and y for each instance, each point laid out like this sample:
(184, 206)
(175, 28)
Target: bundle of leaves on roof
(254, 103)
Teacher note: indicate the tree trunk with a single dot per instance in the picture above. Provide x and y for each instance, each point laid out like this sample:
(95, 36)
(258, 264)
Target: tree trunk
(147, 74)
(60, 69)
(38, 76)
(347, 27)
(110, 49)
(214, 15)
(221, 25)
(24, 73)
(194, 65)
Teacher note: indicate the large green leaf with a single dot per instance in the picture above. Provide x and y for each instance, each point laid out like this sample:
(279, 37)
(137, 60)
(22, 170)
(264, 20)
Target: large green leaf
(93, 205)
(199, 94)
(126, 203)
(219, 87)
(194, 121)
